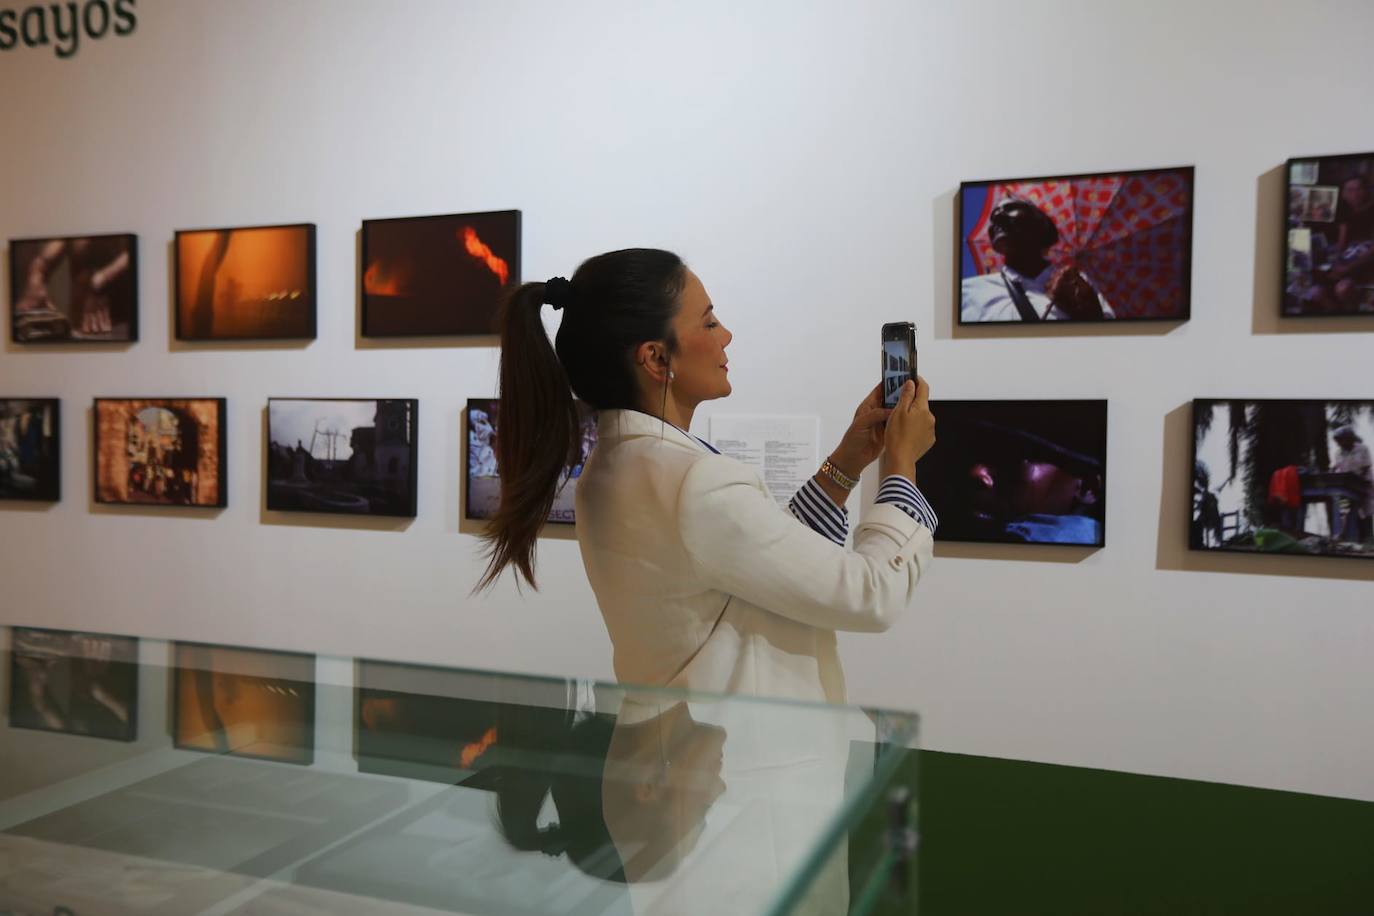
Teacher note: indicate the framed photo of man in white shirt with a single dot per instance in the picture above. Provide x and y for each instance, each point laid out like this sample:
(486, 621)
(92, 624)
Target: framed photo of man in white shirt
(1109, 246)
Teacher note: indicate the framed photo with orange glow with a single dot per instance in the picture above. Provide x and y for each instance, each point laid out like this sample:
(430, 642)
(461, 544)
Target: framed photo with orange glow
(251, 283)
(244, 702)
(437, 275)
(160, 452)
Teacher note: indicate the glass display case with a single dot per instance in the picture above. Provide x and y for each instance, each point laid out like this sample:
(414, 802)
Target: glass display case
(151, 777)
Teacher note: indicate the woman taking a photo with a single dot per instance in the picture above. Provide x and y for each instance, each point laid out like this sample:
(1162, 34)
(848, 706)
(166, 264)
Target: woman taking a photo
(704, 582)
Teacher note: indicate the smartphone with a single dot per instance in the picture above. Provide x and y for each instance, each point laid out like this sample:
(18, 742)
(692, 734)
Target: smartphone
(899, 359)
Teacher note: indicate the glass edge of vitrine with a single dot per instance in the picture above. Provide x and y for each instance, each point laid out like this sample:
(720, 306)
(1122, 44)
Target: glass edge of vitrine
(846, 817)
(351, 662)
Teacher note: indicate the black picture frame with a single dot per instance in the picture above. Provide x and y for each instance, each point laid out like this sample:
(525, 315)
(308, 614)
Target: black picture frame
(1185, 312)
(557, 515)
(222, 437)
(120, 674)
(937, 475)
(279, 500)
(128, 289)
(481, 322)
(1285, 245)
(306, 687)
(51, 489)
(310, 296)
(1193, 522)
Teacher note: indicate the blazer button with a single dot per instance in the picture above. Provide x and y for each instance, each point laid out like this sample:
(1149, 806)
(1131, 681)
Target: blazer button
(898, 560)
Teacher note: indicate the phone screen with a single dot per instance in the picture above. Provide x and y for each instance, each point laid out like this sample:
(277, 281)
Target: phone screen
(899, 359)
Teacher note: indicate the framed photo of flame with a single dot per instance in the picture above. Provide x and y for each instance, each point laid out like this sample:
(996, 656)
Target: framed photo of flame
(437, 275)
(251, 283)
(1108, 246)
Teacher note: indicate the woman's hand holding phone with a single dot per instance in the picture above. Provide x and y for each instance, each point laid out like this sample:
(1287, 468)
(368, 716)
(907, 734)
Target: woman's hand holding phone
(910, 431)
(863, 441)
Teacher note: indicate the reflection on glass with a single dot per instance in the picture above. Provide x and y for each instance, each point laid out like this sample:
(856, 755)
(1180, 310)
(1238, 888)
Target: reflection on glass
(473, 792)
(245, 702)
(81, 683)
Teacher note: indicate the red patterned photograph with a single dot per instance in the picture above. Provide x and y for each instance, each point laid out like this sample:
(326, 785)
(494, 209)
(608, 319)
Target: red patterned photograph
(1100, 247)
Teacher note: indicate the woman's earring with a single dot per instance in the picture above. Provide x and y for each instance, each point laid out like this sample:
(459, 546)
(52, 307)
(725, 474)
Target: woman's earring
(671, 375)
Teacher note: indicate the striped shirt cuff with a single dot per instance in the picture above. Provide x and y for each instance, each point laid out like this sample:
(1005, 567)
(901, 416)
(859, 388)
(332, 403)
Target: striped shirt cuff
(817, 511)
(902, 493)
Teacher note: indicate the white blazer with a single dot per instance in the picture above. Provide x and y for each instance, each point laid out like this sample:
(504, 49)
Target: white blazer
(706, 583)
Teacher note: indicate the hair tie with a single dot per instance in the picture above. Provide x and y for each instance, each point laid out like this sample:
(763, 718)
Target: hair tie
(557, 292)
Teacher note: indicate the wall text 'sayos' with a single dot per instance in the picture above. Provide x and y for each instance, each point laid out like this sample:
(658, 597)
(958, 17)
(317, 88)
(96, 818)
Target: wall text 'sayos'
(61, 26)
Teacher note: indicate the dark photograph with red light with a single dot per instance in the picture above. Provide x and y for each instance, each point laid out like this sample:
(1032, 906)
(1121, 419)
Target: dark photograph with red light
(1019, 472)
(1329, 255)
(75, 289)
(252, 283)
(1283, 476)
(447, 726)
(1110, 246)
(438, 275)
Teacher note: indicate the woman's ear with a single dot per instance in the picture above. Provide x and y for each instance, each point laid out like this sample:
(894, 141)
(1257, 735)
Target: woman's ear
(652, 357)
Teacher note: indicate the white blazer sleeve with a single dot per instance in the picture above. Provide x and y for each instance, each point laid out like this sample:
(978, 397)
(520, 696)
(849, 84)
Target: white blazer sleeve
(741, 542)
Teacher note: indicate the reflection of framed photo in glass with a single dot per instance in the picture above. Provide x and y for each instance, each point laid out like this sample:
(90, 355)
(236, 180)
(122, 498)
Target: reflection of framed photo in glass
(247, 283)
(160, 451)
(1328, 262)
(482, 480)
(30, 449)
(438, 275)
(445, 725)
(343, 456)
(1019, 472)
(1083, 248)
(1283, 476)
(74, 289)
(244, 702)
(76, 683)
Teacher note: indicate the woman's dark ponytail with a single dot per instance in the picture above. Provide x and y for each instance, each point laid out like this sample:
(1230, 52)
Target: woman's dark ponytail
(536, 434)
(614, 302)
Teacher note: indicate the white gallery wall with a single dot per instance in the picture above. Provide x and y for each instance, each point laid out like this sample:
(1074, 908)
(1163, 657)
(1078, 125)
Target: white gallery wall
(803, 157)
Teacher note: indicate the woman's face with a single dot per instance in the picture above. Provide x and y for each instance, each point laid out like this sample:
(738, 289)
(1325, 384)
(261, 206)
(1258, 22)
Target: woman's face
(699, 364)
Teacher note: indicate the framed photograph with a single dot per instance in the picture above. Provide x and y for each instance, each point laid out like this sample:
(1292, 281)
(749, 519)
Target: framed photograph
(349, 456)
(1099, 247)
(1328, 263)
(76, 683)
(482, 490)
(250, 283)
(244, 702)
(1020, 472)
(160, 451)
(74, 289)
(1283, 476)
(438, 275)
(30, 452)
